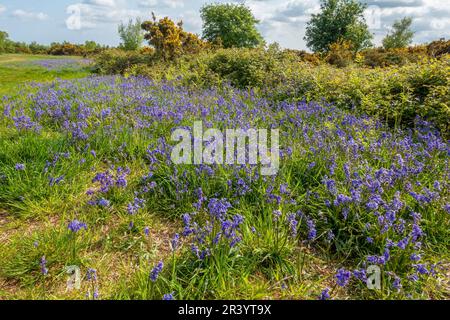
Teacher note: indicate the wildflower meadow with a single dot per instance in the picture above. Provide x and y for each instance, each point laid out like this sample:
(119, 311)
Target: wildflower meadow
(132, 174)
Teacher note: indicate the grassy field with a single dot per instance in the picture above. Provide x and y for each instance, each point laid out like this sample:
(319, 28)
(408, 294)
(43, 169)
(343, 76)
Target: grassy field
(16, 69)
(87, 184)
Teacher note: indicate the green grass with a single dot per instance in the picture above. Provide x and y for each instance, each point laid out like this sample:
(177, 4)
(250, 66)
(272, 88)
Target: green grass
(16, 70)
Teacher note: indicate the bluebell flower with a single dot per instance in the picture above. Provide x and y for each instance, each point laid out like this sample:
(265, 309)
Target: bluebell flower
(397, 283)
(168, 296)
(330, 235)
(447, 208)
(325, 294)
(218, 207)
(312, 232)
(342, 199)
(421, 269)
(277, 214)
(43, 264)
(415, 257)
(76, 226)
(91, 274)
(416, 232)
(360, 274)
(343, 277)
(19, 167)
(175, 241)
(103, 202)
(156, 271)
(293, 223)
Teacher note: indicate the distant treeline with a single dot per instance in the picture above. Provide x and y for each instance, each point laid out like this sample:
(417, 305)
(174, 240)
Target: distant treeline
(58, 49)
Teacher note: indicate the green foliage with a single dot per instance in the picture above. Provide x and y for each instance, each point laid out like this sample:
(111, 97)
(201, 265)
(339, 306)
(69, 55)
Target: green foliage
(131, 35)
(243, 68)
(70, 49)
(338, 20)
(401, 35)
(58, 49)
(231, 25)
(3, 41)
(117, 61)
(395, 94)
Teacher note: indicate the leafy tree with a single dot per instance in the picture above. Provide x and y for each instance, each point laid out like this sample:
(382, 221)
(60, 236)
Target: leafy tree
(401, 35)
(37, 48)
(339, 20)
(131, 35)
(169, 39)
(91, 45)
(3, 41)
(232, 25)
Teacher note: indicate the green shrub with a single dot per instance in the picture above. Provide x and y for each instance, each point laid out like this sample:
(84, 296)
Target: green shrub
(119, 61)
(243, 68)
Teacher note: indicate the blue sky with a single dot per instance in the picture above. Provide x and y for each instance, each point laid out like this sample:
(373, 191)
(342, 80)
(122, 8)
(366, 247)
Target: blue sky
(46, 21)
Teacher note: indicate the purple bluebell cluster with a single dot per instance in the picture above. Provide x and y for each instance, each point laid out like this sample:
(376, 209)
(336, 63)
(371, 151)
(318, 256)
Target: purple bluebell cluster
(19, 167)
(91, 274)
(343, 277)
(110, 179)
(43, 264)
(325, 294)
(169, 296)
(60, 64)
(154, 274)
(75, 226)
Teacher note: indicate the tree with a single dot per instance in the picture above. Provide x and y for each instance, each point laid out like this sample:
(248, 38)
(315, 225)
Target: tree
(3, 41)
(169, 39)
(401, 35)
(131, 35)
(338, 20)
(230, 24)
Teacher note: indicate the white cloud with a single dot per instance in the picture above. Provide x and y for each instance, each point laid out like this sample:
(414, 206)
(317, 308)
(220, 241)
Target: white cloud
(102, 3)
(21, 14)
(148, 3)
(2, 9)
(192, 21)
(174, 3)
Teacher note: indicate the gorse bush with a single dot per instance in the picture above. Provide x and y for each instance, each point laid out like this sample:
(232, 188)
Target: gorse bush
(380, 57)
(170, 40)
(340, 54)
